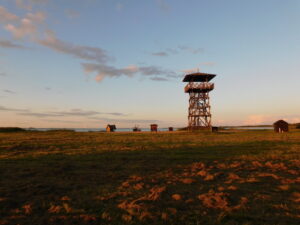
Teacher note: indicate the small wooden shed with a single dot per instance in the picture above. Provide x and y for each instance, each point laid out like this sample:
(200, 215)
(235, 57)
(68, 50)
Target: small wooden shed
(215, 129)
(110, 128)
(171, 129)
(281, 126)
(153, 127)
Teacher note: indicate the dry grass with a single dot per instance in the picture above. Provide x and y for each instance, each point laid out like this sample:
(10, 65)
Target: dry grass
(249, 177)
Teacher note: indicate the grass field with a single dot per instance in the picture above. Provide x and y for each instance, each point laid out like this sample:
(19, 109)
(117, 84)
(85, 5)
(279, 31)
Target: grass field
(245, 177)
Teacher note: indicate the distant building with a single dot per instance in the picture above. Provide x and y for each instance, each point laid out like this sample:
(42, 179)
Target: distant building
(136, 129)
(171, 129)
(215, 129)
(110, 128)
(281, 126)
(153, 127)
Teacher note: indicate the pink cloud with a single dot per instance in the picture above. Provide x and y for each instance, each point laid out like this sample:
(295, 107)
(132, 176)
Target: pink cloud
(260, 119)
(6, 17)
(26, 26)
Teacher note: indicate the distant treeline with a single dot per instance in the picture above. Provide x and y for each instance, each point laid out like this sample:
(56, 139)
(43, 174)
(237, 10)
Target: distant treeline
(297, 125)
(18, 129)
(11, 129)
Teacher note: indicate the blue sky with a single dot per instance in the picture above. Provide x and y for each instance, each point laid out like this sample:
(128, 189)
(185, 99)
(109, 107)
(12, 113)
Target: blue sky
(74, 63)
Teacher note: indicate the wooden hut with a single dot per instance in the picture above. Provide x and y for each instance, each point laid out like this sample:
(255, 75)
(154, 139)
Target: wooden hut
(215, 129)
(171, 129)
(153, 127)
(281, 126)
(110, 128)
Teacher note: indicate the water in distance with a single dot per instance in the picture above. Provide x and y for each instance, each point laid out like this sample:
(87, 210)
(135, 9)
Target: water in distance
(92, 129)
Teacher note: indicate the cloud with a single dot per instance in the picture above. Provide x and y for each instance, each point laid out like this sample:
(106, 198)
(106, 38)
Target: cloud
(7, 17)
(80, 112)
(2, 108)
(77, 51)
(72, 112)
(40, 115)
(178, 50)
(63, 121)
(160, 54)
(108, 120)
(38, 17)
(76, 112)
(91, 115)
(191, 50)
(155, 71)
(116, 114)
(96, 59)
(2, 74)
(260, 119)
(10, 44)
(257, 119)
(158, 79)
(27, 26)
(115, 120)
(103, 71)
(9, 91)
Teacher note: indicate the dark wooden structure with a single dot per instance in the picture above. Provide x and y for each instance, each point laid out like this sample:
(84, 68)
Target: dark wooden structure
(171, 129)
(215, 129)
(136, 129)
(153, 127)
(198, 88)
(281, 126)
(110, 128)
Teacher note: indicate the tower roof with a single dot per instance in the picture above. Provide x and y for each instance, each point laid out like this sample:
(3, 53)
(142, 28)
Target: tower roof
(198, 77)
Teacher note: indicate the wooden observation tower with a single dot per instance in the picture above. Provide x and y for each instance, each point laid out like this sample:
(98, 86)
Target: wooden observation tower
(198, 88)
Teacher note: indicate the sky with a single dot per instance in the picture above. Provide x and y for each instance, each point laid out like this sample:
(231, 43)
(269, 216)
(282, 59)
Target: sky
(87, 63)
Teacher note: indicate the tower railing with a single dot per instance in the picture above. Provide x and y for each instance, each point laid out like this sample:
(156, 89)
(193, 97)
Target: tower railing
(199, 86)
